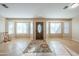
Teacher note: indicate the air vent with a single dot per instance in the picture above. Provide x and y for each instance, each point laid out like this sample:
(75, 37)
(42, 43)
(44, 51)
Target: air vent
(65, 7)
(73, 5)
(4, 5)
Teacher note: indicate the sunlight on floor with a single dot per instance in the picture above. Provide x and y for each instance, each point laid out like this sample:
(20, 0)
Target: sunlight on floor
(58, 47)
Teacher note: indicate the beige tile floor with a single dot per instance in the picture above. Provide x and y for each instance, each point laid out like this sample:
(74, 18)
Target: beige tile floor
(14, 47)
(64, 47)
(60, 46)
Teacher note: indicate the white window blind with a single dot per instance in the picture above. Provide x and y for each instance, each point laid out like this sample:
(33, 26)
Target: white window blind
(10, 27)
(22, 28)
(66, 27)
(55, 27)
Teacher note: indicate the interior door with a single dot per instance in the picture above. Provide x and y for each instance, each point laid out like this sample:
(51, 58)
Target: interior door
(39, 31)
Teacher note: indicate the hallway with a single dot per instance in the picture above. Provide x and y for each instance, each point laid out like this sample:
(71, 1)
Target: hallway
(58, 47)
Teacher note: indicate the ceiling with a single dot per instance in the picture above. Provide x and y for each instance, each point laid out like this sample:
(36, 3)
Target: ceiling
(30, 10)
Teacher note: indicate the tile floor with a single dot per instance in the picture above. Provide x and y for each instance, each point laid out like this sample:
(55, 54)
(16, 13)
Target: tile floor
(55, 47)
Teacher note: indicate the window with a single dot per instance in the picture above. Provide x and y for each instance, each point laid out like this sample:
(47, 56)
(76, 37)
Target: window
(22, 28)
(31, 28)
(66, 27)
(47, 27)
(10, 27)
(55, 27)
(1, 27)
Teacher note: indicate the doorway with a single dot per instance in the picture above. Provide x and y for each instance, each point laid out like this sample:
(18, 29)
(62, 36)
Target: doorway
(39, 31)
(39, 28)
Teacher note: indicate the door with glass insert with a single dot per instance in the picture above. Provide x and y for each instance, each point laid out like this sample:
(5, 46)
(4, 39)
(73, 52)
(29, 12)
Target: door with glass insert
(39, 30)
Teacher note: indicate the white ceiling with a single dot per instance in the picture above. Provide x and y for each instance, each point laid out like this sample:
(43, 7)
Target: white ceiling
(30, 10)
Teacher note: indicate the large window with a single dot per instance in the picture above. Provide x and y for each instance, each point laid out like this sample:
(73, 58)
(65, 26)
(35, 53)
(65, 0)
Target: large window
(55, 27)
(10, 27)
(31, 28)
(22, 28)
(66, 27)
(1, 27)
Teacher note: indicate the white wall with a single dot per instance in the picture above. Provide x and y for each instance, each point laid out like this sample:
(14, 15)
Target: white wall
(75, 29)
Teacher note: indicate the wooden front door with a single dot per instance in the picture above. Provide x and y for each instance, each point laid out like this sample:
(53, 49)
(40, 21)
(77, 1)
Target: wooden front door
(39, 31)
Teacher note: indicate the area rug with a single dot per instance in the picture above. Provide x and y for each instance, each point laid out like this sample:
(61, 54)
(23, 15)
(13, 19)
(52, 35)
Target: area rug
(38, 48)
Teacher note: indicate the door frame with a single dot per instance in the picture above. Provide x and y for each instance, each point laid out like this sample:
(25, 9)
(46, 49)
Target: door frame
(37, 19)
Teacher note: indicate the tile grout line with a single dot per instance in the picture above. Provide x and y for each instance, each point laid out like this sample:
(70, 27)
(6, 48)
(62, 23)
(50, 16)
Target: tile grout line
(66, 49)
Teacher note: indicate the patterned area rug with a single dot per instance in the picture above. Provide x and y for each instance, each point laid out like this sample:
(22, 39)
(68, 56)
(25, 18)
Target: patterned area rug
(38, 48)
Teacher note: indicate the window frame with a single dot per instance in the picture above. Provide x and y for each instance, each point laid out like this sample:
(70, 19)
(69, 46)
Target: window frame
(50, 28)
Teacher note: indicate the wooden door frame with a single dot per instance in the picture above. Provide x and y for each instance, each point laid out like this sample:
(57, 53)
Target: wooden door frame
(37, 19)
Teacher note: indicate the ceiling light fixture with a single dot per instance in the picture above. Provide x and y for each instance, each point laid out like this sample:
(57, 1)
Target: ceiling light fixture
(4, 5)
(74, 5)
